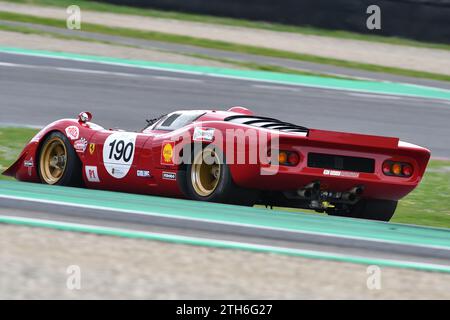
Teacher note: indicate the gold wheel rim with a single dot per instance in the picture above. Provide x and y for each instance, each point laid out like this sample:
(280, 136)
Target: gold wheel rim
(52, 162)
(205, 177)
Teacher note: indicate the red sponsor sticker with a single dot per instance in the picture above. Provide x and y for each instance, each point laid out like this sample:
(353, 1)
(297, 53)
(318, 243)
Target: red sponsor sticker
(73, 132)
(92, 173)
(80, 145)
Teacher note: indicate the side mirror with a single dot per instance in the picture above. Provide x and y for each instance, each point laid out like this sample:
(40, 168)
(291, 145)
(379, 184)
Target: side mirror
(84, 117)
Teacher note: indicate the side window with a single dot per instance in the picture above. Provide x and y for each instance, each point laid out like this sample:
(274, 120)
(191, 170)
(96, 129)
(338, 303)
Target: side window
(168, 121)
(178, 120)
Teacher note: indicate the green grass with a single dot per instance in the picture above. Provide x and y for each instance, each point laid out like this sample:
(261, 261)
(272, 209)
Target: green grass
(428, 205)
(12, 141)
(221, 45)
(236, 63)
(106, 7)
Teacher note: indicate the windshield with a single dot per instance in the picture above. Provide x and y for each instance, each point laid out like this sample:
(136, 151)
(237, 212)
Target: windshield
(177, 120)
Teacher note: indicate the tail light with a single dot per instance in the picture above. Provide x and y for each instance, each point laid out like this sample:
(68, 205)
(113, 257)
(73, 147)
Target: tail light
(386, 168)
(398, 169)
(407, 170)
(293, 158)
(288, 158)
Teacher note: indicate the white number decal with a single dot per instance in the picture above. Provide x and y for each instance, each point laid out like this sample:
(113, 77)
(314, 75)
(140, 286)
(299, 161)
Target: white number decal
(118, 153)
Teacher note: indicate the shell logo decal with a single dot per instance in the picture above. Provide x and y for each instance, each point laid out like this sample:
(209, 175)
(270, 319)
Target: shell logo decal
(167, 152)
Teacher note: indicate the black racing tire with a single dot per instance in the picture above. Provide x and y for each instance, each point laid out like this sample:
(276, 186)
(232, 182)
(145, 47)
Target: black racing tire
(69, 171)
(370, 209)
(225, 191)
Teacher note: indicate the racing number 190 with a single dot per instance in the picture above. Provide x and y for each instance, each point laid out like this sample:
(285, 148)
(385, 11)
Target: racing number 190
(121, 151)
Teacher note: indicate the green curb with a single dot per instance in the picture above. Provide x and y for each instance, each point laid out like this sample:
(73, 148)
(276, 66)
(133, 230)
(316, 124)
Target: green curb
(229, 214)
(221, 244)
(390, 88)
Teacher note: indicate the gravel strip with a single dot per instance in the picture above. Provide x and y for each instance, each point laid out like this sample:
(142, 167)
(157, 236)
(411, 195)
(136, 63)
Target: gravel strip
(407, 57)
(34, 263)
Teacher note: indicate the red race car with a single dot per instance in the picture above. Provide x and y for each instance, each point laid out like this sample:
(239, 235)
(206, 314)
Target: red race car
(232, 157)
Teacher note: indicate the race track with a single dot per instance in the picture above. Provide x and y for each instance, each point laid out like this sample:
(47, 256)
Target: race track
(36, 90)
(225, 226)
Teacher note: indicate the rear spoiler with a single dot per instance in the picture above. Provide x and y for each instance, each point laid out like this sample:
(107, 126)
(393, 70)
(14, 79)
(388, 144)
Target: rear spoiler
(353, 139)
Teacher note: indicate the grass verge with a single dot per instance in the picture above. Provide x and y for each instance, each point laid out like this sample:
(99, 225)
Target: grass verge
(231, 62)
(428, 205)
(12, 141)
(221, 45)
(106, 7)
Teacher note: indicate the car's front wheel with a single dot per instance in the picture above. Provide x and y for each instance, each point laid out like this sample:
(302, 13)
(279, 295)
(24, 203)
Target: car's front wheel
(58, 161)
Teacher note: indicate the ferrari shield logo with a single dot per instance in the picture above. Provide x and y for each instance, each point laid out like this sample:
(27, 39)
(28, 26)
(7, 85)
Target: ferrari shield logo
(91, 148)
(167, 152)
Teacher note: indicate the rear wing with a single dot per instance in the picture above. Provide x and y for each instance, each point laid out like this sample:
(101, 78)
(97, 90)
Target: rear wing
(354, 139)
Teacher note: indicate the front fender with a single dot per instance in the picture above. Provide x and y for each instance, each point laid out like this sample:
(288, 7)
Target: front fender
(25, 167)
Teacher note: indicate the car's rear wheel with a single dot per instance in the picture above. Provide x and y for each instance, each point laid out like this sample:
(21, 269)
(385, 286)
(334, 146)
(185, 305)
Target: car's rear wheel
(208, 178)
(58, 161)
(371, 209)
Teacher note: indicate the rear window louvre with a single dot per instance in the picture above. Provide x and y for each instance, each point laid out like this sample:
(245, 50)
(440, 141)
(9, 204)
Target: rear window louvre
(268, 123)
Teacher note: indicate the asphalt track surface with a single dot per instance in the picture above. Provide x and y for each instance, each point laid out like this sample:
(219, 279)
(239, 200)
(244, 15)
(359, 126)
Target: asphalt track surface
(337, 238)
(242, 57)
(36, 91)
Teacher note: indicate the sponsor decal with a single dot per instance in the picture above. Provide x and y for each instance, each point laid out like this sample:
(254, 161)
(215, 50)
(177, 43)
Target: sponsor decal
(143, 173)
(118, 153)
(169, 175)
(92, 173)
(167, 152)
(203, 134)
(91, 148)
(29, 164)
(73, 132)
(80, 145)
(337, 173)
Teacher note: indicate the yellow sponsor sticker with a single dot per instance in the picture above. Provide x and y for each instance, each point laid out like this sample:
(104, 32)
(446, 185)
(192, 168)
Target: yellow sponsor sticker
(167, 152)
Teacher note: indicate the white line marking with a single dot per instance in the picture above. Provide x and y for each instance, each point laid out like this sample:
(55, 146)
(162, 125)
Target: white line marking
(150, 213)
(16, 65)
(100, 72)
(97, 72)
(7, 64)
(261, 86)
(200, 73)
(80, 70)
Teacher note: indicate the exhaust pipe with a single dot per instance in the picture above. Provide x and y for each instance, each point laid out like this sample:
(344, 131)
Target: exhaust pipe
(304, 193)
(308, 191)
(353, 194)
(315, 186)
(357, 190)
